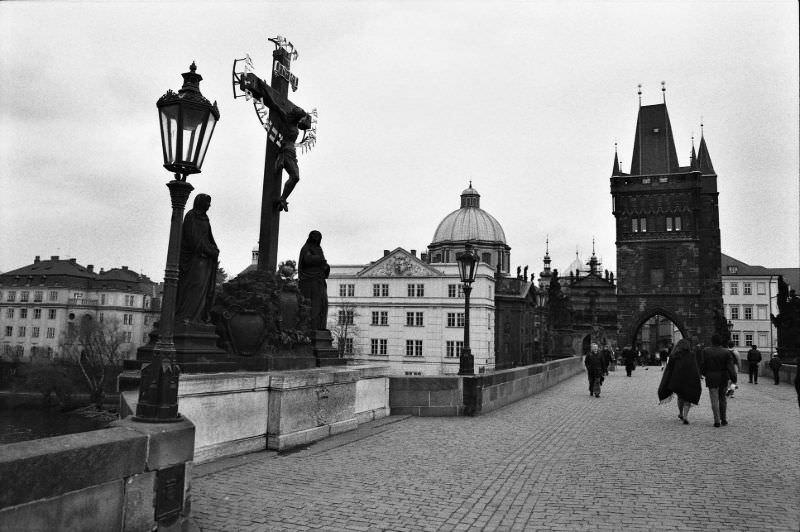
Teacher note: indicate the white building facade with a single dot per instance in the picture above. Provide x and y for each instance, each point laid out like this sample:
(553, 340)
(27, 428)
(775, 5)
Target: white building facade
(749, 295)
(402, 312)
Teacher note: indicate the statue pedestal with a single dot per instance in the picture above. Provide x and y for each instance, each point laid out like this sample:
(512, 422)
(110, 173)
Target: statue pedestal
(196, 350)
(324, 352)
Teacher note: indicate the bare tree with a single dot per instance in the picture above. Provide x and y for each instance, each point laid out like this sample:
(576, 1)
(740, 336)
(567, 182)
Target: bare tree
(96, 348)
(343, 327)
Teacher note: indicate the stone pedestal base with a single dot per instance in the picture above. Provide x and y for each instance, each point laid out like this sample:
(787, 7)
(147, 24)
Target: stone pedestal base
(324, 352)
(196, 350)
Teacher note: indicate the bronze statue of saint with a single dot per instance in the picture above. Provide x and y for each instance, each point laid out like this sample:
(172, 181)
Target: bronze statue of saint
(198, 264)
(293, 119)
(313, 269)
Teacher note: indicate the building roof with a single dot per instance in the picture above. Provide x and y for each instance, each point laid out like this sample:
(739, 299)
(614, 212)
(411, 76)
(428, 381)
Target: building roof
(790, 275)
(470, 222)
(52, 267)
(654, 146)
(704, 159)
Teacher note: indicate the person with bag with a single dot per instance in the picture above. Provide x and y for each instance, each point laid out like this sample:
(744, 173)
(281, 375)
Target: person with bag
(718, 369)
(681, 378)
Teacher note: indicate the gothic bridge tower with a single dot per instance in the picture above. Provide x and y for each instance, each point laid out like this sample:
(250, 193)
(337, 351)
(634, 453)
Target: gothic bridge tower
(668, 241)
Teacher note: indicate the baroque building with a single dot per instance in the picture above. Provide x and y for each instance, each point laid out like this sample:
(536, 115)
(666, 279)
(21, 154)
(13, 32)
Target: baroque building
(667, 231)
(40, 302)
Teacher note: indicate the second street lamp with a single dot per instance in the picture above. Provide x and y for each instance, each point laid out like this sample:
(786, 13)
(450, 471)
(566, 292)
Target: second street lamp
(467, 263)
(541, 301)
(187, 122)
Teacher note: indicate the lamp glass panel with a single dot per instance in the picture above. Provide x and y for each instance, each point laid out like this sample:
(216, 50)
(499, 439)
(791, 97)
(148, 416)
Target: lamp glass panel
(169, 131)
(192, 126)
(201, 154)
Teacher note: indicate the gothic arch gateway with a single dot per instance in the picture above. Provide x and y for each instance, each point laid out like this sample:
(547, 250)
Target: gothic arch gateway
(668, 241)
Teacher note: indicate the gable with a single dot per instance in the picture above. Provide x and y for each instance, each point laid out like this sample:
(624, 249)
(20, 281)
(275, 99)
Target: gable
(399, 263)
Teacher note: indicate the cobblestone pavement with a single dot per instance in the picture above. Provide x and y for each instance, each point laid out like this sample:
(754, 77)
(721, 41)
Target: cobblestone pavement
(561, 460)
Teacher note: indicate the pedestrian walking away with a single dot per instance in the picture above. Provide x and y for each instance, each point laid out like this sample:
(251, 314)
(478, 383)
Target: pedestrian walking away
(753, 359)
(718, 369)
(629, 357)
(775, 365)
(594, 370)
(681, 378)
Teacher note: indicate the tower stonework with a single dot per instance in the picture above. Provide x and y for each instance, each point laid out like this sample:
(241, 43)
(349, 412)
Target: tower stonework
(668, 240)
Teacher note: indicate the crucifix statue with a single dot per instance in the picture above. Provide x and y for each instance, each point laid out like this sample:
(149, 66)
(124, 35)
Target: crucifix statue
(283, 121)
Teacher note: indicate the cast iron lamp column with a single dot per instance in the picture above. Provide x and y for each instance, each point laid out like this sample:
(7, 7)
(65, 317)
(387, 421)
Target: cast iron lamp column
(187, 123)
(467, 262)
(541, 300)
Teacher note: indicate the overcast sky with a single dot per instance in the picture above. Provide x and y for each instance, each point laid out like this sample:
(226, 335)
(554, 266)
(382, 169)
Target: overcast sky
(526, 99)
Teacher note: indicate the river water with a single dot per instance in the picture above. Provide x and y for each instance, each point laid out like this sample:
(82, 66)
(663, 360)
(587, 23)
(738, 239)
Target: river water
(21, 424)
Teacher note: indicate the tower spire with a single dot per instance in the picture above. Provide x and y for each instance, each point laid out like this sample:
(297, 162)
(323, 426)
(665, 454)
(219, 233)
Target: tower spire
(639, 92)
(615, 168)
(664, 91)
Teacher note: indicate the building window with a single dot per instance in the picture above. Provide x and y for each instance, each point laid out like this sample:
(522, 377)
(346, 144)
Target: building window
(763, 339)
(645, 180)
(663, 179)
(455, 319)
(735, 339)
(762, 312)
(677, 220)
(37, 313)
(380, 290)
(455, 290)
(454, 349)
(21, 331)
(413, 348)
(732, 269)
(53, 296)
(761, 288)
(635, 225)
(51, 314)
(9, 330)
(747, 289)
(643, 225)
(100, 318)
(127, 336)
(412, 373)
(734, 312)
(673, 223)
(347, 290)
(748, 312)
(734, 289)
(414, 319)
(35, 332)
(77, 295)
(11, 296)
(416, 290)
(38, 295)
(380, 317)
(9, 313)
(127, 319)
(51, 332)
(345, 317)
(102, 299)
(748, 339)
(23, 296)
(669, 223)
(378, 346)
(23, 313)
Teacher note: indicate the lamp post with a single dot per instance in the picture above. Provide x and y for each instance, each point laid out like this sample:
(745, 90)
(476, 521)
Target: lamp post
(187, 121)
(467, 263)
(541, 301)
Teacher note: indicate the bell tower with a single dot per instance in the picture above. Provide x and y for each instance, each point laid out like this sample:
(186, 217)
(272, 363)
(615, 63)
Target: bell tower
(668, 240)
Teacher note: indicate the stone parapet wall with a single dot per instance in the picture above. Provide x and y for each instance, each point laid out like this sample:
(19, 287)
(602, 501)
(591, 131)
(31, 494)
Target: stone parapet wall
(98, 480)
(473, 395)
(788, 372)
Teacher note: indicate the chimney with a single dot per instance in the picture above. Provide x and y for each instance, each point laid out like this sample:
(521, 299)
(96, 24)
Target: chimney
(36, 259)
(125, 268)
(424, 257)
(72, 261)
(53, 257)
(90, 268)
(386, 252)
(414, 252)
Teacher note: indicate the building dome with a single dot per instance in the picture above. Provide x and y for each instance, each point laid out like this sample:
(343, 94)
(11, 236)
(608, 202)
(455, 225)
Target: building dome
(470, 222)
(576, 265)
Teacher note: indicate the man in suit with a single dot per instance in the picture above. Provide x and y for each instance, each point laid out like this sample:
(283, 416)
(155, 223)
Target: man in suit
(715, 368)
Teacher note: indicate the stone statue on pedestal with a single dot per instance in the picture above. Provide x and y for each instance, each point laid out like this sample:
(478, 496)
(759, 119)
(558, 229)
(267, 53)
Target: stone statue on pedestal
(313, 270)
(198, 264)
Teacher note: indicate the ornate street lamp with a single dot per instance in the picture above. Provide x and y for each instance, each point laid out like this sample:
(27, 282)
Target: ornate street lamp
(541, 301)
(467, 264)
(187, 122)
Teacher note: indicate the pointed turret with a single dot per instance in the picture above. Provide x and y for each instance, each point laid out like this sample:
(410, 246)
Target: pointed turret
(693, 158)
(615, 169)
(654, 147)
(704, 159)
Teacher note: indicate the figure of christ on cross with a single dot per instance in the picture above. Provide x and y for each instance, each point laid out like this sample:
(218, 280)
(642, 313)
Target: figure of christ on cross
(292, 120)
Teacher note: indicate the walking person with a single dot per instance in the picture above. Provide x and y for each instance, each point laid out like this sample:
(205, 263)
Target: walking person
(753, 359)
(717, 368)
(682, 378)
(629, 358)
(775, 365)
(594, 370)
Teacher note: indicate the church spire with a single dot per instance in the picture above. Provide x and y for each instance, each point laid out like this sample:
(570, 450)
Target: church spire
(615, 169)
(693, 157)
(654, 146)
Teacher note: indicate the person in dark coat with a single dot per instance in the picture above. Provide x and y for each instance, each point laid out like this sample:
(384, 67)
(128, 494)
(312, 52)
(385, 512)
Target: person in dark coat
(717, 368)
(313, 269)
(629, 357)
(775, 365)
(753, 360)
(608, 359)
(594, 370)
(682, 378)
